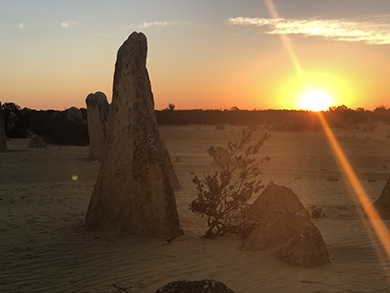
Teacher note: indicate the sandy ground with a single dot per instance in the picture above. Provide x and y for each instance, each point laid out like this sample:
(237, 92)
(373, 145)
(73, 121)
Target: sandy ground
(45, 249)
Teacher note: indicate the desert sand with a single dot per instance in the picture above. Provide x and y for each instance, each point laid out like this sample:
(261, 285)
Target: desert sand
(44, 195)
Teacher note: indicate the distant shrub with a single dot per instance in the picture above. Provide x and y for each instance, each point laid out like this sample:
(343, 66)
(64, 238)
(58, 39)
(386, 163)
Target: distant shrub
(171, 107)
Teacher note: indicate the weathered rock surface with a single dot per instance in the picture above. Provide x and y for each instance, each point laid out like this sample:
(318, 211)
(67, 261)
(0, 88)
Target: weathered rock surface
(3, 139)
(171, 170)
(382, 204)
(37, 141)
(293, 238)
(75, 115)
(204, 286)
(133, 193)
(98, 110)
(276, 197)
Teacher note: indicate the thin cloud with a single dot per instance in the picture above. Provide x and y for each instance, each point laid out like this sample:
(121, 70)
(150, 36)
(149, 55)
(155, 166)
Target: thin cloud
(372, 30)
(68, 24)
(157, 24)
(20, 25)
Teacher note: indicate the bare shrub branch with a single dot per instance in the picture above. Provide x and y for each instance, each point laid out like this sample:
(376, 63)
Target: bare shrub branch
(223, 196)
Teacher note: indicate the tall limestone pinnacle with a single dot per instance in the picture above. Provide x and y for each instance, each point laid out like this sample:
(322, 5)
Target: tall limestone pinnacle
(97, 110)
(133, 193)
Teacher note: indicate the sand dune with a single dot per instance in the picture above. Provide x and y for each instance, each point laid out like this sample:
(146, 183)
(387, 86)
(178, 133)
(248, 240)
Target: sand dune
(45, 249)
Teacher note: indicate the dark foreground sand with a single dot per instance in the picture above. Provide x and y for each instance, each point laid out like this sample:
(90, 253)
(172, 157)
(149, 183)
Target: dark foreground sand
(42, 210)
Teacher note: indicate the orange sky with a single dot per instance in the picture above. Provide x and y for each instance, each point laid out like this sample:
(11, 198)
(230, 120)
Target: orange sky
(200, 56)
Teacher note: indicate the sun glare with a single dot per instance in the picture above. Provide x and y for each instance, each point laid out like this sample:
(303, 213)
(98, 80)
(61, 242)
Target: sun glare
(315, 101)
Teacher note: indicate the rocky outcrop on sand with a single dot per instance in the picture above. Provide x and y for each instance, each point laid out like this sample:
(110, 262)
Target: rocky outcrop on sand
(293, 238)
(276, 197)
(133, 193)
(3, 139)
(37, 141)
(75, 116)
(286, 228)
(204, 286)
(98, 110)
(382, 204)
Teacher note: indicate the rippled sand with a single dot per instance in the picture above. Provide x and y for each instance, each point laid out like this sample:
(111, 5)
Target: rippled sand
(45, 249)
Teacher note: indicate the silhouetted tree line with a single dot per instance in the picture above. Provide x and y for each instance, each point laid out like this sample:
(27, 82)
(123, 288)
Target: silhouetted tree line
(56, 128)
(282, 120)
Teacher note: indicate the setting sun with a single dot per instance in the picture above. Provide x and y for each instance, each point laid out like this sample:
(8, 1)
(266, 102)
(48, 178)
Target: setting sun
(315, 101)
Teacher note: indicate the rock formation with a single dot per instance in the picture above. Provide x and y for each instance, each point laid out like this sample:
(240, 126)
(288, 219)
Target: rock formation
(37, 141)
(97, 109)
(171, 170)
(133, 193)
(382, 204)
(3, 139)
(204, 286)
(294, 238)
(276, 197)
(75, 115)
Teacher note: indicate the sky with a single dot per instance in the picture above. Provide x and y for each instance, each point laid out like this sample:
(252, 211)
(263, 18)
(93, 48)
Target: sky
(202, 54)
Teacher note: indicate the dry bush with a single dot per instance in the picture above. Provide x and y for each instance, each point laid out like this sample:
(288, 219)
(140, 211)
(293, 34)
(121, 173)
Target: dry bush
(223, 196)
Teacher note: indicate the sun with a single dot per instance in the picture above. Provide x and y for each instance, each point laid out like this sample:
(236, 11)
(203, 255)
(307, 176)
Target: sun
(315, 101)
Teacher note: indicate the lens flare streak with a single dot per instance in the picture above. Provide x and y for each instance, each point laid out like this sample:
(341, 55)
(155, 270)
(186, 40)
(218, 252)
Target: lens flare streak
(380, 229)
(378, 225)
(286, 43)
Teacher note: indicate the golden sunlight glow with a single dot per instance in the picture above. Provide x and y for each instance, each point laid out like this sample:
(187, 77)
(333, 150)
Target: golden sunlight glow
(315, 101)
(361, 196)
(338, 90)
